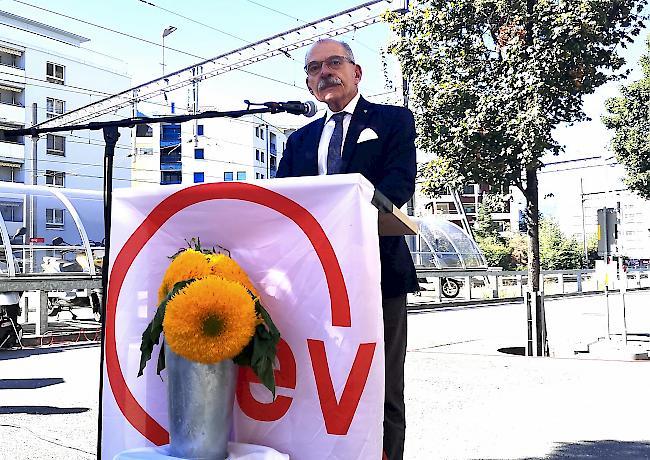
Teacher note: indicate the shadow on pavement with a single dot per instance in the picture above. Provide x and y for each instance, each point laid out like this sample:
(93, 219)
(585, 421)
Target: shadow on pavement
(602, 449)
(28, 384)
(41, 410)
(25, 352)
(519, 351)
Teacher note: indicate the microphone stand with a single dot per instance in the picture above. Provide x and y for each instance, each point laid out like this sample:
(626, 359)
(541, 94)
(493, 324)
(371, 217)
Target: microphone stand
(111, 135)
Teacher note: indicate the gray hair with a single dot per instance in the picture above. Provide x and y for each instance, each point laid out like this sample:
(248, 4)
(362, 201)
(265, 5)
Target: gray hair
(348, 51)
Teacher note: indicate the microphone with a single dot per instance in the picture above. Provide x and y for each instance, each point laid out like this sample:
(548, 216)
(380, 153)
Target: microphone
(307, 109)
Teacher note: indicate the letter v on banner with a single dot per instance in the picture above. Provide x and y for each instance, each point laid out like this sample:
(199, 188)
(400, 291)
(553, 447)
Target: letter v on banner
(338, 415)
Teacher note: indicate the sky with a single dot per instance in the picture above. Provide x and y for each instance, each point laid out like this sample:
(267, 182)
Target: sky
(210, 28)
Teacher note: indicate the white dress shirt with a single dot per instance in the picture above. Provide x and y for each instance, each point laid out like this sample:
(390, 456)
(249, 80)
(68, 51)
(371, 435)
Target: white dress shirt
(323, 145)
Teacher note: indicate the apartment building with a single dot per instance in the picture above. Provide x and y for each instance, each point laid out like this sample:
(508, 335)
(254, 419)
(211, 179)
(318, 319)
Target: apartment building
(207, 150)
(45, 72)
(470, 198)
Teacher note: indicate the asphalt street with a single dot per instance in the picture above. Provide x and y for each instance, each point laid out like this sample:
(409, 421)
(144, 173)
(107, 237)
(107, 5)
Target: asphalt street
(465, 398)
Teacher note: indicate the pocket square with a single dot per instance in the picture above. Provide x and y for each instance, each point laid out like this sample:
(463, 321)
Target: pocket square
(367, 135)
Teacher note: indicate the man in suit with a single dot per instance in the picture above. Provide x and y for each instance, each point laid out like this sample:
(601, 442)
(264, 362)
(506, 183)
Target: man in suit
(386, 157)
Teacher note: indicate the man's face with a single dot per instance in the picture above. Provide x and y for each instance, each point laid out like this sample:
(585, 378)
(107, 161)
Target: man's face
(335, 87)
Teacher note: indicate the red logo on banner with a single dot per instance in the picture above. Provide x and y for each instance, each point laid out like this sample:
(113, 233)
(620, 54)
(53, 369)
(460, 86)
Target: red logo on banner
(340, 306)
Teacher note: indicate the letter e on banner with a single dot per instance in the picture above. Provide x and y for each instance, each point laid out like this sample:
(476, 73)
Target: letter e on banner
(285, 377)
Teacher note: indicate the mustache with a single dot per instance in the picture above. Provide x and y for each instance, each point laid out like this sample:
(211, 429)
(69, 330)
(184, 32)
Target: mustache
(328, 81)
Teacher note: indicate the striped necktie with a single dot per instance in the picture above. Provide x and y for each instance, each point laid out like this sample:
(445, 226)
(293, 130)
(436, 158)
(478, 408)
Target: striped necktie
(334, 160)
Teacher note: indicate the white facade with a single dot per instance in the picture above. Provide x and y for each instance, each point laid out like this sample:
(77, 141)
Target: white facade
(209, 150)
(45, 71)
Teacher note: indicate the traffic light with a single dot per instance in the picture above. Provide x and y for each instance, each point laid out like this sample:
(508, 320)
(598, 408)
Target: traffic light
(607, 231)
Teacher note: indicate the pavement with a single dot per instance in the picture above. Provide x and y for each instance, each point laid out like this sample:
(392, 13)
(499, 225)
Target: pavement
(467, 396)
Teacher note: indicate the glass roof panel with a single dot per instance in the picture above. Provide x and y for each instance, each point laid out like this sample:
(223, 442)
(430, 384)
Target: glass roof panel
(449, 245)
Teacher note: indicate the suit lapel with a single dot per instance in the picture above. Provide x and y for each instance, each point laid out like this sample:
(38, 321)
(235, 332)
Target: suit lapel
(357, 124)
(312, 142)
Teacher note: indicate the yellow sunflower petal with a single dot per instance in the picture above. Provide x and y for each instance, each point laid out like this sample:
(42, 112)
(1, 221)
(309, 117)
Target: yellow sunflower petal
(224, 266)
(210, 320)
(186, 265)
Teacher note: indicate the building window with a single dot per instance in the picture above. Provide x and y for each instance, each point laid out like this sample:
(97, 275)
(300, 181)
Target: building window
(469, 208)
(468, 189)
(199, 177)
(54, 218)
(199, 130)
(170, 177)
(55, 73)
(227, 176)
(55, 145)
(261, 133)
(144, 151)
(442, 208)
(241, 175)
(56, 178)
(199, 154)
(55, 107)
(257, 132)
(8, 174)
(257, 155)
(262, 157)
(11, 211)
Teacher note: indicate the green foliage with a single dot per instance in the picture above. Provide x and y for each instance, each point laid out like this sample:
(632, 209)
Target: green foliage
(629, 117)
(557, 252)
(491, 79)
(151, 335)
(485, 226)
(496, 251)
(260, 352)
(519, 251)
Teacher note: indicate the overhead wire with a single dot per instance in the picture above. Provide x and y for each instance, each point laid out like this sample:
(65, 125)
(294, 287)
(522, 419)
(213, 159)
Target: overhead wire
(134, 37)
(195, 21)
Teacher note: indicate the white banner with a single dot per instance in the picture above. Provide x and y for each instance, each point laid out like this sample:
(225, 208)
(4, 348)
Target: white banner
(310, 247)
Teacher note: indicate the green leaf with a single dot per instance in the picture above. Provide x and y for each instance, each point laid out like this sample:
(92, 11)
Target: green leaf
(161, 358)
(151, 335)
(260, 353)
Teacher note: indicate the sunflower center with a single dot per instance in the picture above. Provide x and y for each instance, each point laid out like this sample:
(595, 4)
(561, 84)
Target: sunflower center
(213, 325)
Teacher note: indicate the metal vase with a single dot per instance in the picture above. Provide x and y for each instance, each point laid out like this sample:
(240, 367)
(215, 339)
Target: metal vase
(200, 401)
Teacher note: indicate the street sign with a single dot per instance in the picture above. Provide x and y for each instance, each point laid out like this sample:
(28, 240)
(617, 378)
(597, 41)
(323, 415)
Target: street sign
(607, 231)
(37, 239)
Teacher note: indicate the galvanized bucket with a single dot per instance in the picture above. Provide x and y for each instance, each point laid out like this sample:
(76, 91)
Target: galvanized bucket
(200, 401)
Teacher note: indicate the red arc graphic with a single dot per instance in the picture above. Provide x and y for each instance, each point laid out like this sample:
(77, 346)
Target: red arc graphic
(340, 305)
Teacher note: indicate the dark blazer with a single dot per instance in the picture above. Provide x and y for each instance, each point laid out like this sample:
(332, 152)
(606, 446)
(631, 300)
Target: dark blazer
(388, 162)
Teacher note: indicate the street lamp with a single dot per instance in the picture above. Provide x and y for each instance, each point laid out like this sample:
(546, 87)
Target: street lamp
(168, 31)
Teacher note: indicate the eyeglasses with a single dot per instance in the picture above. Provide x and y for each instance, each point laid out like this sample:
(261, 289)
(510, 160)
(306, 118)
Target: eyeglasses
(333, 62)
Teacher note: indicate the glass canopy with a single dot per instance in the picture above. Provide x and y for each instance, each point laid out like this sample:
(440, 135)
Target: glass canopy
(444, 245)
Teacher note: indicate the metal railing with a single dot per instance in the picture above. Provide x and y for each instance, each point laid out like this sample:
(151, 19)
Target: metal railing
(495, 284)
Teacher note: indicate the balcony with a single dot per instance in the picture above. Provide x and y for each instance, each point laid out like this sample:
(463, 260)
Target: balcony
(12, 151)
(13, 74)
(12, 113)
(171, 166)
(170, 158)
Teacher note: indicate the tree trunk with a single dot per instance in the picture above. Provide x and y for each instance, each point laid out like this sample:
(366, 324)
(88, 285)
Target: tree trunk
(532, 224)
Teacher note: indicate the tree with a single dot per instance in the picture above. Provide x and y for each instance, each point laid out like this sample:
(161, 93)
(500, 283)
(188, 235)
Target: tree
(557, 252)
(485, 226)
(491, 79)
(492, 244)
(629, 117)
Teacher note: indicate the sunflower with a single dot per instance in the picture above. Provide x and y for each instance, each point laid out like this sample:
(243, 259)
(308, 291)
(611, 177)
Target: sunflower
(186, 265)
(224, 266)
(210, 320)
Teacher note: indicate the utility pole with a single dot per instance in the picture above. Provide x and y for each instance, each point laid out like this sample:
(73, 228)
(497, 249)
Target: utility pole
(584, 233)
